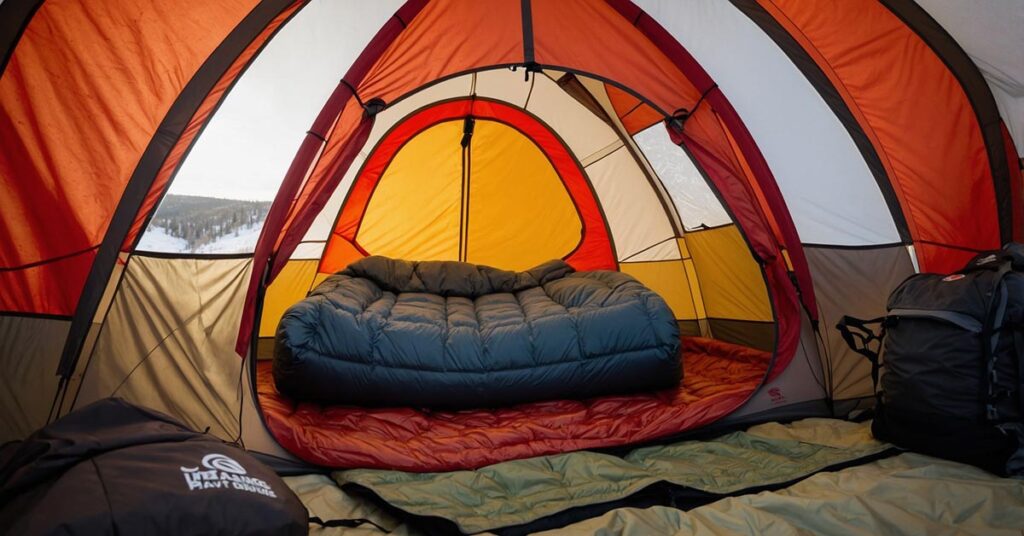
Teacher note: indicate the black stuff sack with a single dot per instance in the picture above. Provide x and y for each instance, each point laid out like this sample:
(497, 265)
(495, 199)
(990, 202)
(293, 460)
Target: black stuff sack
(948, 362)
(115, 468)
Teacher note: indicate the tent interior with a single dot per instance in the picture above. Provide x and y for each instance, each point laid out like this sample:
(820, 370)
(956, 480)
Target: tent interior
(760, 174)
(510, 168)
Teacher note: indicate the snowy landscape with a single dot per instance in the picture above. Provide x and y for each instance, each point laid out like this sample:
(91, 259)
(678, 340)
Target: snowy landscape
(204, 225)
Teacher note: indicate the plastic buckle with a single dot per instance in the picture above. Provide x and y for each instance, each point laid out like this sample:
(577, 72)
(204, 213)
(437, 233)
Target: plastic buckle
(991, 412)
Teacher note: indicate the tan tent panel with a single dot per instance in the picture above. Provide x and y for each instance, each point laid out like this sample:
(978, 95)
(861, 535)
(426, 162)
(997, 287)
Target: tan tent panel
(30, 348)
(844, 278)
(634, 212)
(168, 338)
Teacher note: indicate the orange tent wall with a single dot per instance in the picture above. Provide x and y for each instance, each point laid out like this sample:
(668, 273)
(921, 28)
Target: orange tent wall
(634, 114)
(922, 140)
(199, 121)
(74, 121)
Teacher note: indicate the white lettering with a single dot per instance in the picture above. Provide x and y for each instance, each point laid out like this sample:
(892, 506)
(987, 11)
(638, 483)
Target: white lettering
(224, 473)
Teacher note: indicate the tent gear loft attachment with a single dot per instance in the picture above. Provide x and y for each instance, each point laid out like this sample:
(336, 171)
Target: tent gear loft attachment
(467, 131)
(371, 107)
(374, 106)
(864, 340)
(677, 120)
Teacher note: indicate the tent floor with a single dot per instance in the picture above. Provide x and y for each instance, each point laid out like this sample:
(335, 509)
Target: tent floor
(718, 378)
(771, 478)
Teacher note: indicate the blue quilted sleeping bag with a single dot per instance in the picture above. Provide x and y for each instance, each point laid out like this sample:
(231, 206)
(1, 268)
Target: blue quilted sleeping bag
(388, 332)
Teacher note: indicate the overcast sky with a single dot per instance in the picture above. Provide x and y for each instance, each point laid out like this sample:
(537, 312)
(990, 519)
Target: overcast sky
(251, 140)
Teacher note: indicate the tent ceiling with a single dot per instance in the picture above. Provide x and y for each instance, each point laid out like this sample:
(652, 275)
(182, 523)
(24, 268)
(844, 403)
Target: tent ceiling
(993, 38)
(830, 192)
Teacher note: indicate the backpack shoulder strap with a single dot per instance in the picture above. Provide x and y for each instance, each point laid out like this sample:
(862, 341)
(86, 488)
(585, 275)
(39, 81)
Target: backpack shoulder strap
(1018, 343)
(992, 329)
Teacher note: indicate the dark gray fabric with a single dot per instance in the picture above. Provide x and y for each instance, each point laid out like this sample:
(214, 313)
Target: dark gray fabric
(450, 334)
(951, 380)
(933, 365)
(115, 468)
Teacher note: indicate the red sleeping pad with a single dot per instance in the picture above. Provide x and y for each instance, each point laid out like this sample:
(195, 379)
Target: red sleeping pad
(718, 378)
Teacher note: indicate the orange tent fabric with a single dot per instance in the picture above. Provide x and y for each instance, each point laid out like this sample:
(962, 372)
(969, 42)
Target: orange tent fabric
(947, 226)
(74, 121)
(719, 378)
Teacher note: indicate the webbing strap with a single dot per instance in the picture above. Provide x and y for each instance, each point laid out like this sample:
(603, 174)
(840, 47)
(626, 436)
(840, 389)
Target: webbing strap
(864, 340)
(1018, 343)
(347, 523)
(990, 339)
(468, 126)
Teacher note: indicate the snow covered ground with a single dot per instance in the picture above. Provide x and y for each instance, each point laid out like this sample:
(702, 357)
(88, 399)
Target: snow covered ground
(242, 242)
(156, 239)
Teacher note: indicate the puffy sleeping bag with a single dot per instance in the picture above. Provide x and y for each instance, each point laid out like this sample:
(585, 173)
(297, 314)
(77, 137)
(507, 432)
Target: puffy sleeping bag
(387, 332)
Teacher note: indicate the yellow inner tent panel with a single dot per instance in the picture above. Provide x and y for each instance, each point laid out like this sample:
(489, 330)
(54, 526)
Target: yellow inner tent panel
(290, 286)
(414, 211)
(514, 214)
(731, 282)
(669, 279)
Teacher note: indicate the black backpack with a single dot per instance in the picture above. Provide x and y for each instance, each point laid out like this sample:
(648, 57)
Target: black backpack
(951, 356)
(115, 468)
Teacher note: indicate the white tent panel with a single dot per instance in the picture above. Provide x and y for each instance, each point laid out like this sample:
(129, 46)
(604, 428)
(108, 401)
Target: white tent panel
(828, 187)
(582, 131)
(633, 211)
(505, 85)
(308, 251)
(993, 36)
(667, 250)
